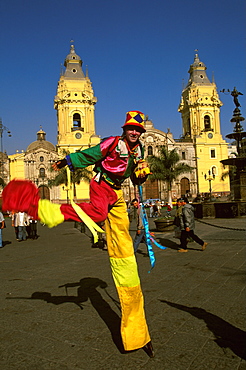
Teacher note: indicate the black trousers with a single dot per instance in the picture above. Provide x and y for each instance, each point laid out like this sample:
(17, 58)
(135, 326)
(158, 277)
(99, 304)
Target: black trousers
(186, 234)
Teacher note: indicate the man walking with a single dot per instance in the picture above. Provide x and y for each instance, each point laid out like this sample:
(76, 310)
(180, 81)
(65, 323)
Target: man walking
(187, 225)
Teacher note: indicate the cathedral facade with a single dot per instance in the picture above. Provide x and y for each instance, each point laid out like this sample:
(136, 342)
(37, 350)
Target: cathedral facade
(201, 145)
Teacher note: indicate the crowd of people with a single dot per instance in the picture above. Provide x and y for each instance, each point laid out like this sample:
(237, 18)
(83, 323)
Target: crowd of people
(25, 226)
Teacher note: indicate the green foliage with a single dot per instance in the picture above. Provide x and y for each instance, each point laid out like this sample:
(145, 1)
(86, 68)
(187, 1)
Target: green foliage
(167, 166)
(80, 174)
(76, 177)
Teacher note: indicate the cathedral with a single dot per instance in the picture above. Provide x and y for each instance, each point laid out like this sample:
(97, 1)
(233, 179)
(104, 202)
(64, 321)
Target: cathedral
(201, 144)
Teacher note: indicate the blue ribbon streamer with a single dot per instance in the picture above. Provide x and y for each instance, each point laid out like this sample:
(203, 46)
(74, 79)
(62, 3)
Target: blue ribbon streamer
(148, 237)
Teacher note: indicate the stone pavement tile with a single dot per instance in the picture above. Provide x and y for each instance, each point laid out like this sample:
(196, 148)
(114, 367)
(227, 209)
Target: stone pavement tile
(31, 362)
(226, 297)
(32, 343)
(79, 336)
(98, 358)
(208, 362)
(197, 327)
(10, 338)
(180, 350)
(10, 358)
(217, 355)
(171, 322)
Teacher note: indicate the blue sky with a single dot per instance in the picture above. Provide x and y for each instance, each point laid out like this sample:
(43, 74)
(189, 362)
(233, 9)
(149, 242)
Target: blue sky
(138, 54)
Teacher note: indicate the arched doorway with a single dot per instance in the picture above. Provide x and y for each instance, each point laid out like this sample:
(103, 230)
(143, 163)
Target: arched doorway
(44, 192)
(151, 189)
(185, 186)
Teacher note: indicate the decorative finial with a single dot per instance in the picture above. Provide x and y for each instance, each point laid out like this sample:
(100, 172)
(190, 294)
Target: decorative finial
(72, 47)
(196, 55)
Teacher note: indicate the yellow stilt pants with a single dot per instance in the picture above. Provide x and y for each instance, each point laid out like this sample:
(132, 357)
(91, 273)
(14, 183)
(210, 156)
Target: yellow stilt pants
(134, 330)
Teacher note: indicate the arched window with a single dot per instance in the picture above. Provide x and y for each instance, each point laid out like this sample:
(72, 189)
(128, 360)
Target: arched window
(77, 122)
(150, 150)
(42, 172)
(207, 123)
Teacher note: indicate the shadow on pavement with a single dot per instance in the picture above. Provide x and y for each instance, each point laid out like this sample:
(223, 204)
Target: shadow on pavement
(6, 242)
(169, 243)
(87, 290)
(226, 334)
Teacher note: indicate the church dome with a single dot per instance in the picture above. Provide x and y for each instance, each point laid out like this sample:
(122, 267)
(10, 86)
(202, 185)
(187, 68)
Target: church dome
(41, 142)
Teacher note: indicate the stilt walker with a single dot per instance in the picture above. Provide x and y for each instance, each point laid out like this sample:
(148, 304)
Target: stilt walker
(115, 159)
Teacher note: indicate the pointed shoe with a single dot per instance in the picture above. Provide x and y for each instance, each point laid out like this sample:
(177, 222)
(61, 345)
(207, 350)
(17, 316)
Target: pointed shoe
(148, 348)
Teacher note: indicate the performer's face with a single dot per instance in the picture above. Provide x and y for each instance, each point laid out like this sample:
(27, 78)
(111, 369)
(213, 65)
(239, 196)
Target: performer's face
(132, 134)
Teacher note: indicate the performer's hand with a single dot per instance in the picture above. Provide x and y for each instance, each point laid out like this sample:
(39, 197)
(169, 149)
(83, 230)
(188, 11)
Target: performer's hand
(59, 164)
(54, 166)
(142, 169)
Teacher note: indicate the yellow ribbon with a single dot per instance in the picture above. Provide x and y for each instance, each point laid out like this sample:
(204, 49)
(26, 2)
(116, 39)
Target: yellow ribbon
(92, 226)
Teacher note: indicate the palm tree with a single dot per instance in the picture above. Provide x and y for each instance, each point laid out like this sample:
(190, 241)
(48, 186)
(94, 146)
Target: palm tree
(167, 167)
(76, 177)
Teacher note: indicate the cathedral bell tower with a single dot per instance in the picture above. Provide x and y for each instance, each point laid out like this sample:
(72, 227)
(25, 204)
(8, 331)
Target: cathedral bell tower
(75, 105)
(200, 110)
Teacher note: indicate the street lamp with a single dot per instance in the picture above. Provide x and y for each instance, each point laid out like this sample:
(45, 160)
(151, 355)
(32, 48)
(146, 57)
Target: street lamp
(2, 129)
(210, 178)
(65, 188)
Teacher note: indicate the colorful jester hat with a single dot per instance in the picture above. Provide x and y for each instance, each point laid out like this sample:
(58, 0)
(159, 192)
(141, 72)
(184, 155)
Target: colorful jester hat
(134, 118)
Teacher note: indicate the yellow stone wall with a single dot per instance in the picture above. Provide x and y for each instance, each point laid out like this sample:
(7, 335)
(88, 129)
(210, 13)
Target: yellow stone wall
(16, 166)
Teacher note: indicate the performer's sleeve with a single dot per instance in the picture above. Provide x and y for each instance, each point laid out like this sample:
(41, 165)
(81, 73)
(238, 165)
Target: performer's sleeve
(89, 156)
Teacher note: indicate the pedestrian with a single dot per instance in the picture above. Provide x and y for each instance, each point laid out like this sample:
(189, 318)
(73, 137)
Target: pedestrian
(33, 228)
(187, 225)
(20, 221)
(28, 228)
(140, 236)
(169, 208)
(176, 222)
(155, 210)
(2, 225)
(158, 203)
(115, 159)
(14, 224)
(151, 210)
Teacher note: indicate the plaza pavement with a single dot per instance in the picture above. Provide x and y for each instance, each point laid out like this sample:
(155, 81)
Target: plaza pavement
(59, 308)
